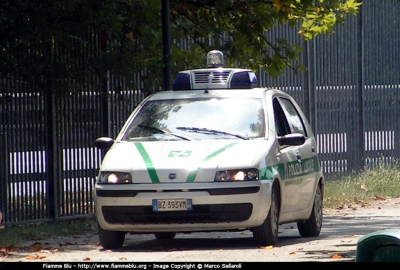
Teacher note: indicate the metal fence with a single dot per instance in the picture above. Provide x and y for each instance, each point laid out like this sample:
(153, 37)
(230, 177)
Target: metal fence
(350, 94)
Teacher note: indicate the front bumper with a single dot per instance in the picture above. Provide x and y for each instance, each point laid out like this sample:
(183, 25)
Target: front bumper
(207, 213)
(222, 206)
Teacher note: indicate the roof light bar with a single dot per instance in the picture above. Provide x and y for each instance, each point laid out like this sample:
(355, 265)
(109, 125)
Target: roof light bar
(215, 76)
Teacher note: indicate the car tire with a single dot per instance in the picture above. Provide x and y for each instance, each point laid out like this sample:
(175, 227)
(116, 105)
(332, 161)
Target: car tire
(164, 235)
(267, 233)
(312, 226)
(110, 239)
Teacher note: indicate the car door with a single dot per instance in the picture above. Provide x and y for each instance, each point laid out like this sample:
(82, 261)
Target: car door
(286, 157)
(303, 178)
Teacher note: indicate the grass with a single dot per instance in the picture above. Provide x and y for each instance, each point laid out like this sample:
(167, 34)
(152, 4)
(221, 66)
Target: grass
(13, 235)
(381, 182)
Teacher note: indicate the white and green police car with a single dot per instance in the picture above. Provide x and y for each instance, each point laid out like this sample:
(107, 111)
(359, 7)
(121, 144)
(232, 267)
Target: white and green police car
(216, 153)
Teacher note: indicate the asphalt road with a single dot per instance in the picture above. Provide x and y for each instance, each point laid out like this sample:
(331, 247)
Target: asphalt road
(337, 242)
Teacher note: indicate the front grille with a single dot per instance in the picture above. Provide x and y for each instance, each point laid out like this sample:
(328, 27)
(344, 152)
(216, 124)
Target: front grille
(199, 214)
(211, 77)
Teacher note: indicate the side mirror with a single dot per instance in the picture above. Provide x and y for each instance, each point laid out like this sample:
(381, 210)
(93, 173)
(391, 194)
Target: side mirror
(104, 143)
(292, 139)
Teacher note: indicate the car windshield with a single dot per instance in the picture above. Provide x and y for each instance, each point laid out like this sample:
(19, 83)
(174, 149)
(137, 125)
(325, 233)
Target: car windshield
(198, 119)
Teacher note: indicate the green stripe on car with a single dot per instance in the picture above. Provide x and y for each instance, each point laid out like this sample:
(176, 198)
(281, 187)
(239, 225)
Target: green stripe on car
(291, 170)
(193, 174)
(149, 164)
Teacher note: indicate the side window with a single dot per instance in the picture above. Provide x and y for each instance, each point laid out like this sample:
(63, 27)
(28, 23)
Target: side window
(293, 117)
(281, 123)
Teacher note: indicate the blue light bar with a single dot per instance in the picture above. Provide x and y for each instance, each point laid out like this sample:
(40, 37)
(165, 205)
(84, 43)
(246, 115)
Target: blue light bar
(244, 80)
(182, 82)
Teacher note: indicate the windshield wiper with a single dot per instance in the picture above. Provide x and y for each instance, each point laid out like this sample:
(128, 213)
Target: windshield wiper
(212, 131)
(161, 131)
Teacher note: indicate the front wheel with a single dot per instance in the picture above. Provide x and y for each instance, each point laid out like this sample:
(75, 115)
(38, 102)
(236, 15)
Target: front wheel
(267, 233)
(110, 239)
(312, 226)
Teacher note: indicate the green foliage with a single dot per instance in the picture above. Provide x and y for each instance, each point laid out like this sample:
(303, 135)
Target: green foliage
(238, 28)
(57, 45)
(321, 19)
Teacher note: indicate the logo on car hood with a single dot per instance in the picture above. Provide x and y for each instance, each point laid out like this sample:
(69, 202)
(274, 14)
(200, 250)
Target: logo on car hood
(192, 175)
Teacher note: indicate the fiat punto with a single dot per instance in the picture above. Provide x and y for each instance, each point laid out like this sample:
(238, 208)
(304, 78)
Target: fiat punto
(215, 153)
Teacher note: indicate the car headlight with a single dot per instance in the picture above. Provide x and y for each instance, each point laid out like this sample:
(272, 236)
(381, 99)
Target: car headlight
(114, 178)
(237, 175)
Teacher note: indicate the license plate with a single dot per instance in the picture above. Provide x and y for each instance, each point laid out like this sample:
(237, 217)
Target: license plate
(172, 205)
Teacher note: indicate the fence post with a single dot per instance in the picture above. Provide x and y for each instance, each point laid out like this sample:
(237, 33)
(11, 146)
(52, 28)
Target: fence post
(309, 84)
(166, 45)
(51, 160)
(5, 169)
(360, 153)
(105, 122)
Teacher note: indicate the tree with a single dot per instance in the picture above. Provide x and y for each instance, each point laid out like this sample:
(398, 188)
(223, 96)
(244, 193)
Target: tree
(55, 45)
(238, 27)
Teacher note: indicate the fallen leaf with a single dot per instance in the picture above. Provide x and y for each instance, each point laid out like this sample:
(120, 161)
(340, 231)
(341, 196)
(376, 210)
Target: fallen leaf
(348, 241)
(379, 198)
(336, 256)
(34, 257)
(35, 247)
(8, 249)
(292, 253)
(122, 259)
(267, 247)
(86, 259)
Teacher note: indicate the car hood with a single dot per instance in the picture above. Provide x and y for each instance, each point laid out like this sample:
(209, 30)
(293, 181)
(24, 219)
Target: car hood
(182, 161)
